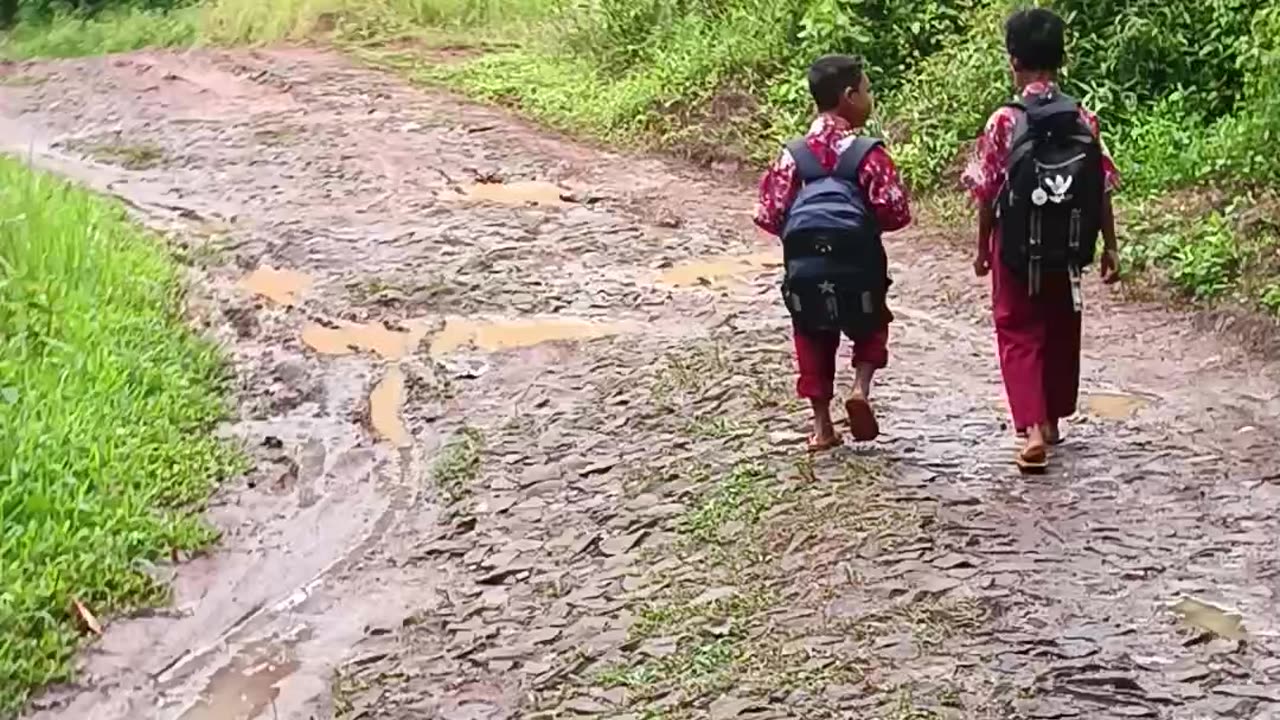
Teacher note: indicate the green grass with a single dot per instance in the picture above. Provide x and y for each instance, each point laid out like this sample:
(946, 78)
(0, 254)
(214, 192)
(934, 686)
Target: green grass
(740, 497)
(107, 402)
(458, 464)
(113, 31)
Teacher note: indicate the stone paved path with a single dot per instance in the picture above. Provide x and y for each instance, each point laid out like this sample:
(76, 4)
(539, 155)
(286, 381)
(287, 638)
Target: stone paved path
(533, 452)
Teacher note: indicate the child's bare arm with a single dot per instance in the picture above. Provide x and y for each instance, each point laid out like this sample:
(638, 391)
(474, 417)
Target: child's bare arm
(986, 225)
(1110, 255)
(1108, 225)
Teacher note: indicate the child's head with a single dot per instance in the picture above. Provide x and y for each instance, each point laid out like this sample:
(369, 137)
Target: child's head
(1036, 40)
(840, 86)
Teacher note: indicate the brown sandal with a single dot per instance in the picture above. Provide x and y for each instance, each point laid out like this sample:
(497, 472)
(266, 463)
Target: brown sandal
(1034, 464)
(862, 420)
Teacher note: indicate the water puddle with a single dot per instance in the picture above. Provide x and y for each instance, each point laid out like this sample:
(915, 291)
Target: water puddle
(495, 335)
(245, 688)
(375, 337)
(283, 287)
(384, 408)
(531, 192)
(706, 271)
(1114, 406)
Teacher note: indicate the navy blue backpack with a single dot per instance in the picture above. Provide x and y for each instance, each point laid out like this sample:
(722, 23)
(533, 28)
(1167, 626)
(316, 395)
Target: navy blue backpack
(836, 274)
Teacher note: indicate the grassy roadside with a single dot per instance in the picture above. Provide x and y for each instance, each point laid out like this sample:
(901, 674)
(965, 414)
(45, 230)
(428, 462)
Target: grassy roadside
(107, 402)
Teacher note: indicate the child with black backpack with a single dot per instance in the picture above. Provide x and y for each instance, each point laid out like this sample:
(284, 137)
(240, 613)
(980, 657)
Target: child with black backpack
(829, 196)
(1042, 180)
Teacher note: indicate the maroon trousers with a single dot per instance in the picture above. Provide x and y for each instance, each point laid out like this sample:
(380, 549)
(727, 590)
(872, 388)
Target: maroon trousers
(1039, 341)
(816, 358)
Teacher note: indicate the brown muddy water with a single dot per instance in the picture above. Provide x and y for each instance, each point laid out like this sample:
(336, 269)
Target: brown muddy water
(283, 287)
(529, 192)
(375, 337)
(384, 408)
(497, 334)
(1114, 406)
(718, 269)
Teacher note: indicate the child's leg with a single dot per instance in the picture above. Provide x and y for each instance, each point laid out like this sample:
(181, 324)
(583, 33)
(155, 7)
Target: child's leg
(1021, 335)
(816, 362)
(1062, 355)
(1020, 338)
(870, 353)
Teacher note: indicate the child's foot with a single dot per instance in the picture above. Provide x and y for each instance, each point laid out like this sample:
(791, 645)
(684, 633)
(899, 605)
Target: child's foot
(862, 420)
(1033, 458)
(824, 436)
(821, 443)
(1052, 435)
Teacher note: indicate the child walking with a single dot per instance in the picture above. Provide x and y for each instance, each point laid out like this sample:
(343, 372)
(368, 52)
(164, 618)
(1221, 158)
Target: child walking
(829, 196)
(1042, 181)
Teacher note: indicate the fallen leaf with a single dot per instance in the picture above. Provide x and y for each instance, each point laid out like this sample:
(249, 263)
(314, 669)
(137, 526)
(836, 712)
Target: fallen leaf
(90, 621)
(1209, 617)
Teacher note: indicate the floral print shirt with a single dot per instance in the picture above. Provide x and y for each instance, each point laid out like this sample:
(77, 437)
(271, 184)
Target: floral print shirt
(986, 170)
(828, 137)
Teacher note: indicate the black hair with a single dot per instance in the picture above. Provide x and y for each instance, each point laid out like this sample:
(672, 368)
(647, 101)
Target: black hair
(1036, 38)
(831, 75)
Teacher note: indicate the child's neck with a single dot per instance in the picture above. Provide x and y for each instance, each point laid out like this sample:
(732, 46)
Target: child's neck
(836, 116)
(1024, 78)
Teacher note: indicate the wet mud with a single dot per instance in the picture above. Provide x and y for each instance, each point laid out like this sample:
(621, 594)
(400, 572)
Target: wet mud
(282, 287)
(524, 456)
(491, 335)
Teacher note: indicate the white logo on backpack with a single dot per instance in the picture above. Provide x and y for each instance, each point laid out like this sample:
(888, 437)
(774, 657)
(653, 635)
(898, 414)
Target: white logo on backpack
(1058, 187)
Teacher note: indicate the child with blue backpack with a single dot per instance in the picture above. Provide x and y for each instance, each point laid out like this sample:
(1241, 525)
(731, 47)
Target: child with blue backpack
(829, 196)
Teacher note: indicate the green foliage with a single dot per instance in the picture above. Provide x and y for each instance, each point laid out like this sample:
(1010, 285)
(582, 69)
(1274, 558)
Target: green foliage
(945, 102)
(107, 403)
(111, 31)
(1130, 54)
(42, 11)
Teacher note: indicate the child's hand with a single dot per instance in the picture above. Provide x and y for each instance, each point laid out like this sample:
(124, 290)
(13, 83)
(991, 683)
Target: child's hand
(1110, 267)
(982, 264)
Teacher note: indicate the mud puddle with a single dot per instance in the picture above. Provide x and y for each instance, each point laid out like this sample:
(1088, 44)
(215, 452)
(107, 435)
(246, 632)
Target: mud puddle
(384, 408)
(493, 335)
(1114, 406)
(282, 287)
(522, 193)
(348, 338)
(246, 687)
(713, 270)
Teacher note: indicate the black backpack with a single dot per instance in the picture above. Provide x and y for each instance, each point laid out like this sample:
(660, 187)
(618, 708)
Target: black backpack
(836, 272)
(1050, 208)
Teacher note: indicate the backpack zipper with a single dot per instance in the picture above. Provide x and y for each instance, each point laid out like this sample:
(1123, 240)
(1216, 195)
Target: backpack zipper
(1059, 166)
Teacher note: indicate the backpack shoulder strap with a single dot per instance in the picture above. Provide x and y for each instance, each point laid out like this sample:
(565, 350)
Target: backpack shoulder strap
(808, 167)
(1019, 144)
(1052, 109)
(851, 159)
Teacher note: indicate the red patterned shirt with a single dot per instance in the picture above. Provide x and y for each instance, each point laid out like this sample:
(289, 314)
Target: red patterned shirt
(986, 171)
(829, 136)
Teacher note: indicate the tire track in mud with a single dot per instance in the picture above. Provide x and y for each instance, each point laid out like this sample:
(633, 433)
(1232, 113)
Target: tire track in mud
(599, 508)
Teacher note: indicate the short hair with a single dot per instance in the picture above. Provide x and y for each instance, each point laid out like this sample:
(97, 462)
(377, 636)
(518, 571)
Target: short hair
(831, 75)
(1036, 38)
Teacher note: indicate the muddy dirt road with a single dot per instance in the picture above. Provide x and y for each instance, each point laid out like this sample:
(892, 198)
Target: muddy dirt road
(530, 450)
